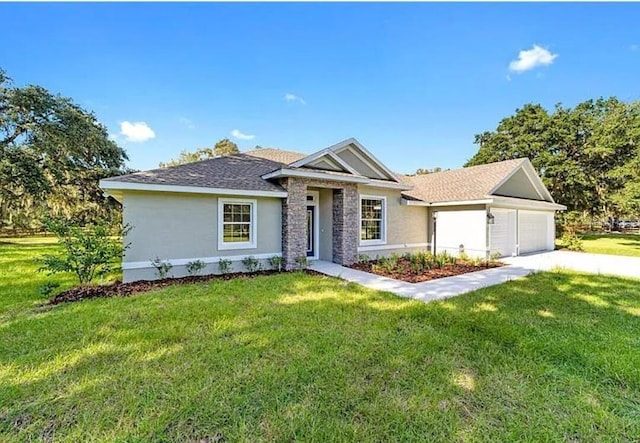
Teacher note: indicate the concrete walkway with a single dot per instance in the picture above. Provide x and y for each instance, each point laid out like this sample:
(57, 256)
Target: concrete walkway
(426, 291)
(517, 267)
(579, 261)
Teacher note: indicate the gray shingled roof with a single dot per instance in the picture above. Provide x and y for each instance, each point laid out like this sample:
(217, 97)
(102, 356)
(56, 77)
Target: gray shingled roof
(472, 183)
(241, 171)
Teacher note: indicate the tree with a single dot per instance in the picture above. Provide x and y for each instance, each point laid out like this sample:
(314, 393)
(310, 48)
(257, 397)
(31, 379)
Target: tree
(222, 147)
(424, 171)
(52, 154)
(582, 153)
(225, 147)
(88, 252)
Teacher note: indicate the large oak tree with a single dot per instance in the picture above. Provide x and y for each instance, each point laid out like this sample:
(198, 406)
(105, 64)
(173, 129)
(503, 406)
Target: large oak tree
(52, 154)
(585, 154)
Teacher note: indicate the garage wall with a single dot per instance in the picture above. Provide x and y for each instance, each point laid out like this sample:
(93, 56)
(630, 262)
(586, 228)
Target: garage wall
(460, 225)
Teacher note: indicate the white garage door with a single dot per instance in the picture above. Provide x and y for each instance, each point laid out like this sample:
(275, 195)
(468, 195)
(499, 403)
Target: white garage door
(462, 228)
(535, 231)
(503, 232)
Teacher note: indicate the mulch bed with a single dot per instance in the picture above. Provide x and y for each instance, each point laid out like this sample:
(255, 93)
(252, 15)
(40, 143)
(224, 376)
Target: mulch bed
(119, 289)
(405, 273)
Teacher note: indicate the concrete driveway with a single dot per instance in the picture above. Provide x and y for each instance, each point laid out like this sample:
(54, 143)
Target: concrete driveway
(579, 261)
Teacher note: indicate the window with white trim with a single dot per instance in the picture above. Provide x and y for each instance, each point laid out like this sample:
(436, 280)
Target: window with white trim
(236, 223)
(372, 220)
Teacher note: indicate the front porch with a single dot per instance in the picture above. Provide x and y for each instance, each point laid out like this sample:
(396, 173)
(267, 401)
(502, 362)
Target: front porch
(320, 220)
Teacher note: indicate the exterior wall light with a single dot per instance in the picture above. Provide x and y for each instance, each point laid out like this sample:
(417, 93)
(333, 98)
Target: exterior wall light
(491, 219)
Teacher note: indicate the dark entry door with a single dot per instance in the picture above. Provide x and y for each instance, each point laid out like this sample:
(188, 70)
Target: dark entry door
(311, 219)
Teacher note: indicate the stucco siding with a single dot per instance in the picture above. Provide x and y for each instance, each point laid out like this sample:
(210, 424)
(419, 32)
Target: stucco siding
(357, 164)
(518, 185)
(405, 225)
(185, 226)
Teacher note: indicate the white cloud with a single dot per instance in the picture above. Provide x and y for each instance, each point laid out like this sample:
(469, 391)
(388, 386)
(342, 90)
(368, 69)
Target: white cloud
(240, 136)
(289, 97)
(532, 58)
(188, 123)
(136, 132)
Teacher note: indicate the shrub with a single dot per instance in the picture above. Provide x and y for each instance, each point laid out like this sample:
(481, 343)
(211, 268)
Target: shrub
(443, 258)
(420, 261)
(388, 264)
(162, 267)
(362, 258)
(302, 261)
(194, 267)
(251, 263)
(276, 263)
(47, 289)
(88, 252)
(224, 266)
(494, 256)
(571, 241)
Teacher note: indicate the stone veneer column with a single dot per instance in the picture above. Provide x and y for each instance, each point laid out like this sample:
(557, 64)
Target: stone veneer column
(294, 222)
(345, 224)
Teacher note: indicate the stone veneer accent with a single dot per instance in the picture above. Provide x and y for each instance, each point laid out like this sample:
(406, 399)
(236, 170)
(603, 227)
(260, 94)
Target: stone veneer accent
(345, 224)
(294, 220)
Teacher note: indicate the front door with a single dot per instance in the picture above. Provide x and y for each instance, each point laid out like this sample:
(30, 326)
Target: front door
(311, 219)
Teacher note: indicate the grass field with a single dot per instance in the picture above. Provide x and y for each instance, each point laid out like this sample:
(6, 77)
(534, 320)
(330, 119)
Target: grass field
(297, 357)
(612, 244)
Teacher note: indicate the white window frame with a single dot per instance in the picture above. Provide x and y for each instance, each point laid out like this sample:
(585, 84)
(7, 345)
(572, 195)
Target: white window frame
(383, 228)
(253, 232)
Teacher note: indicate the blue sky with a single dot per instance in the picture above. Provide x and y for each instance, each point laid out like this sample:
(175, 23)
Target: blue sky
(412, 82)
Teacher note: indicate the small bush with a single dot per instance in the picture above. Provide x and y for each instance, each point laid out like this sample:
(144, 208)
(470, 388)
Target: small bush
(571, 241)
(224, 266)
(47, 289)
(162, 267)
(88, 252)
(362, 258)
(388, 264)
(194, 267)
(251, 263)
(443, 258)
(494, 256)
(276, 263)
(303, 262)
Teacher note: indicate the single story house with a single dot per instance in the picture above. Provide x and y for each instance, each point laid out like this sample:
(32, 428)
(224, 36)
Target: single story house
(331, 205)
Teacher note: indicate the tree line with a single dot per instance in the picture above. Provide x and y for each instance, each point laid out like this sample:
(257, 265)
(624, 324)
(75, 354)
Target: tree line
(588, 155)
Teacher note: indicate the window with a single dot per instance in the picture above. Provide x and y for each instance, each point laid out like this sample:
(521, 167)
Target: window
(372, 220)
(236, 223)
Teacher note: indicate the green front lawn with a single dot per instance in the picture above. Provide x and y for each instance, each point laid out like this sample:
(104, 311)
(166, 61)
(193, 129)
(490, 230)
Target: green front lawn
(613, 244)
(297, 357)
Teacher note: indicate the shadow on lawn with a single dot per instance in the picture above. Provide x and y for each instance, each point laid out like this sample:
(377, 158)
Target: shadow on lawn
(224, 359)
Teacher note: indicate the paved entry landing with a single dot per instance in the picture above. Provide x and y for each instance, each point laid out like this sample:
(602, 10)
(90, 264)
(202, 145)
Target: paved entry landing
(460, 284)
(426, 291)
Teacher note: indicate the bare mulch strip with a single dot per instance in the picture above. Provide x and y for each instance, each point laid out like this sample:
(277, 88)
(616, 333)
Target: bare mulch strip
(119, 289)
(405, 273)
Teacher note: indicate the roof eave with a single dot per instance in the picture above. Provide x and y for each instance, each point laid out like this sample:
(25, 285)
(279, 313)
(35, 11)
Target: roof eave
(288, 172)
(113, 187)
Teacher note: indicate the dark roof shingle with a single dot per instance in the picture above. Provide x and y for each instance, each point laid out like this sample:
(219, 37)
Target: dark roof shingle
(240, 171)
